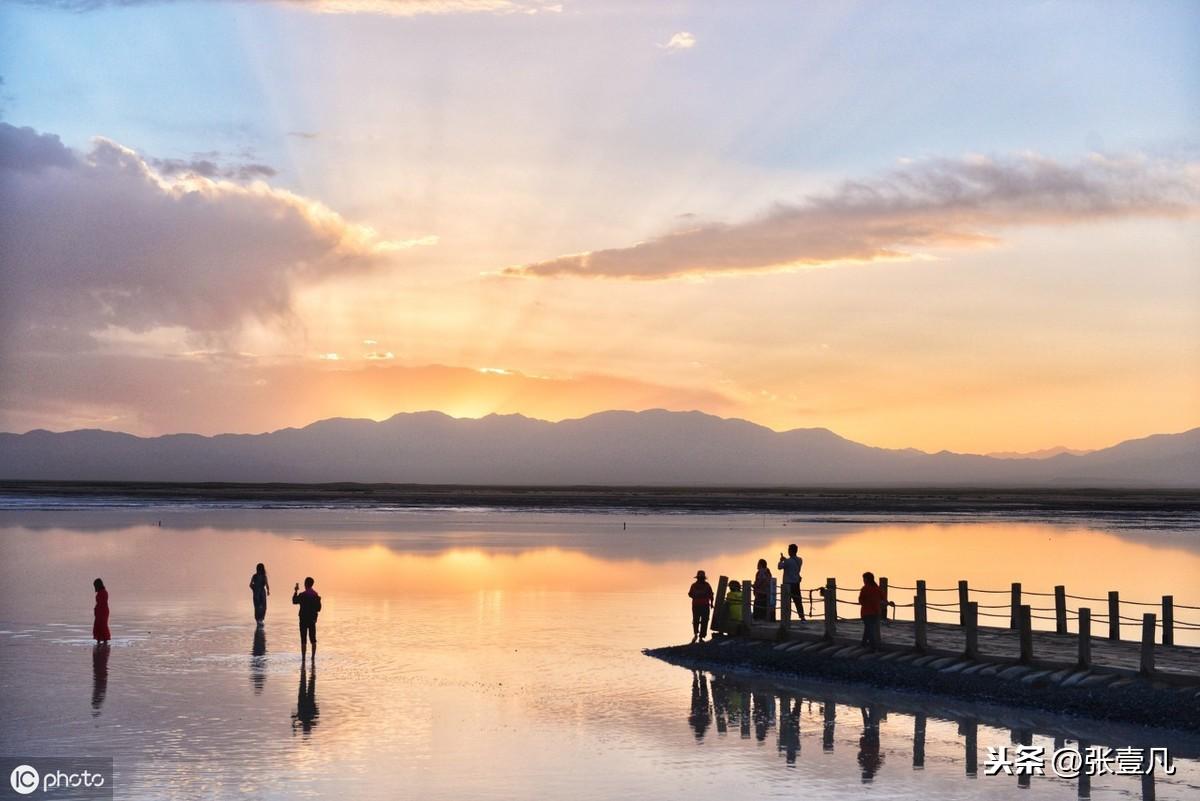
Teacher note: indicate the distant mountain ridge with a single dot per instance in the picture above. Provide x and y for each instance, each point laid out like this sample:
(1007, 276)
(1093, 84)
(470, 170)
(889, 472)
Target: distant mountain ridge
(654, 447)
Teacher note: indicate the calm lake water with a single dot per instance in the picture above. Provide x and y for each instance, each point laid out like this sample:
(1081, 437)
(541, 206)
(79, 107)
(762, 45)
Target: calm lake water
(477, 654)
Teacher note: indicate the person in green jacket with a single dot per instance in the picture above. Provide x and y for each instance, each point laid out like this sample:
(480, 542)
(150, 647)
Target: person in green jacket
(733, 611)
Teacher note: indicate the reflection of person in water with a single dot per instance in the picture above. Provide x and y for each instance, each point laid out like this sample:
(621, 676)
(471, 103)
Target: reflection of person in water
(99, 676)
(305, 717)
(764, 714)
(870, 759)
(258, 660)
(789, 728)
(700, 716)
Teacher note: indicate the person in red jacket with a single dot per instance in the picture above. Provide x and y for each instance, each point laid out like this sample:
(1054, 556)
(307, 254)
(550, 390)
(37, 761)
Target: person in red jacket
(100, 632)
(870, 603)
(701, 593)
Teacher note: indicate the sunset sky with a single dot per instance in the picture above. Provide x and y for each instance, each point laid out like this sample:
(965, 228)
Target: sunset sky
(964, 226)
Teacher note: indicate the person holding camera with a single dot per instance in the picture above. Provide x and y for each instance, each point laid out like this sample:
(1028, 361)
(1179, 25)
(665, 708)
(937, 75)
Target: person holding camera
(310, 606)
(791, 577)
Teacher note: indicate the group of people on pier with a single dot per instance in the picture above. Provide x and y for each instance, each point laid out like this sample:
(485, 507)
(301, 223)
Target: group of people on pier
(308, 600)
(871, 600)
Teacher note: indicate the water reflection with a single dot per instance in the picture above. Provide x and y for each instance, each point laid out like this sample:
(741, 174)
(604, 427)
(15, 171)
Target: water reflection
(747, 703)
(100, 655)
(370, 554)
(700, 717)
(305, 717)
(258, 660)
(870, 757)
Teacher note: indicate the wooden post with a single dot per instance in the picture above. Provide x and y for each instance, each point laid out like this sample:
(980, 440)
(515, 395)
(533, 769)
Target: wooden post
(921, 593)
(747, 607)
(1168, 611)
(830, 608)
(718, 613)
(774, 601)
(1026, 630)
(1148, 622)
(785, 610)
(1014, 614)
(883, 611)
(971, 745)
(1085, 639)
(829, 708)
(971, 627)
(919, 622)
(1085, 776)
(964, 597)
(1114, 616)
(1147, 775)
(1060, 609)
(919, 741)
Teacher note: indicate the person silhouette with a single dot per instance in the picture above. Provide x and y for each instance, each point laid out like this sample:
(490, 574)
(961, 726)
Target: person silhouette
(260, 589)
(258, 660)
(310, 606)
(100, 632)
(305, 717)
(791, 565)
(100, 654)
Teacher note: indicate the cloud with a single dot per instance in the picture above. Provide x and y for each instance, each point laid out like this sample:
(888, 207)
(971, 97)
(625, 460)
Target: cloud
(940, 203)
(680, 41)
(206, 168)
(107, 239)
(396, 8)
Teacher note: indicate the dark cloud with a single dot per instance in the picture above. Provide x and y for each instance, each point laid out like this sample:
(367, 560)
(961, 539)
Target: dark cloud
(25, 150)
(933, 204)
(104, 239)
(207, 168)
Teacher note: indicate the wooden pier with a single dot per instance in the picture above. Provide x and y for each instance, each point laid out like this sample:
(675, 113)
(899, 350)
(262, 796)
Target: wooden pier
(1072, 653)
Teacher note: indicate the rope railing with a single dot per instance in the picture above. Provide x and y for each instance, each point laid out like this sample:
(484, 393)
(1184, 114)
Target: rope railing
(1009, 620)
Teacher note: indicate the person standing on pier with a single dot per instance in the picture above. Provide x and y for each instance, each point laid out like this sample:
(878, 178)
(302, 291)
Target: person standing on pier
(701, 593)
(310, 606)
(762, 591)
(870, 603)
(100, 632)
(733, 608)
(791, 576)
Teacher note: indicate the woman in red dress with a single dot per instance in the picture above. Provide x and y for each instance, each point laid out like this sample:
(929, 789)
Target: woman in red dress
(100, 632)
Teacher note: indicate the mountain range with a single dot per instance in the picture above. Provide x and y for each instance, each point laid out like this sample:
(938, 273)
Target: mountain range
(654, 447)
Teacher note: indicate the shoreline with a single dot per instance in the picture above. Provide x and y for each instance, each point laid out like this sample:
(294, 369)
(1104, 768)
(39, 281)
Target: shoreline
(1159, 503)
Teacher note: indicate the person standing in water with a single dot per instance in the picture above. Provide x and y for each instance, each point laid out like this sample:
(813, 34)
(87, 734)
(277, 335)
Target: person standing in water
(310, 606)
(260, 589)
(701, 593)
(100, 632)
